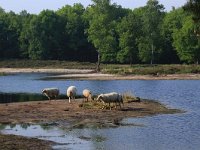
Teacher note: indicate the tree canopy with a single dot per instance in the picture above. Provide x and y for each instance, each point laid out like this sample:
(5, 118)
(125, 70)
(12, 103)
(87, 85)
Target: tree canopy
(104, 32)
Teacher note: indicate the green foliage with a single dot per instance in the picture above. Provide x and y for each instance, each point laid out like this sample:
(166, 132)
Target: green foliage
(129, 30)
(150, 42)
(105, 32)
(186, 42)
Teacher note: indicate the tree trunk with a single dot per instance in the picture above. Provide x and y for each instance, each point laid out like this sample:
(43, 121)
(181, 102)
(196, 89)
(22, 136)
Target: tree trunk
(98, 63)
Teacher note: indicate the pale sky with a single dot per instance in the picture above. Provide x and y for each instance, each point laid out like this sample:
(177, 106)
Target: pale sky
(36, 6)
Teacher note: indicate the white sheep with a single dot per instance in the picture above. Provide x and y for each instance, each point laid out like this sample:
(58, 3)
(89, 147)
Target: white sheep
(87, 94)
(110, 98)
(71, 93)
(50, 92)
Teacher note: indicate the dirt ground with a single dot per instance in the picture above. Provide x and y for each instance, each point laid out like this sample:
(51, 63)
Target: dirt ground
(69, 115)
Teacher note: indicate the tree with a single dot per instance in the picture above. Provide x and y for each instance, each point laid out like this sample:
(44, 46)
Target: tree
(103, 18)
(77, 46)
(129, 30)
(150, 43)
(45, 36)
(171, 22)
(193, 6)
(9, 34)
(186, 43)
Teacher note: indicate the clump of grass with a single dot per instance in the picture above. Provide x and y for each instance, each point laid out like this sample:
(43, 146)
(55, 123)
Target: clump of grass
(91, 105)
(130, 97)
(2, 74)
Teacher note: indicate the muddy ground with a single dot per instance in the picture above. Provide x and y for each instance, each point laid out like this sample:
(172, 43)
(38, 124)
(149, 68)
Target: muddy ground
(70, 115)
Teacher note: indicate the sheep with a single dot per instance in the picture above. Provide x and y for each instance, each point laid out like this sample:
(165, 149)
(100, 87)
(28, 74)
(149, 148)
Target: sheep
(87, 94)
(110, 98)
(71, 93)
(50, 92)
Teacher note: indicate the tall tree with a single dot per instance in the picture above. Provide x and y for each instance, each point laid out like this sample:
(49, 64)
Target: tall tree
(193, 6)
(173, 21)
(46, 36)
(103, 18)
(77, 46)
(186, 43)
(129, 30)
(9, 34)
(150, 43)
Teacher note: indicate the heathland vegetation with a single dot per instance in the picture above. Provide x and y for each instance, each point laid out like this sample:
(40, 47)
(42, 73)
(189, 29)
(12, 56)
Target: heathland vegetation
(105, 32)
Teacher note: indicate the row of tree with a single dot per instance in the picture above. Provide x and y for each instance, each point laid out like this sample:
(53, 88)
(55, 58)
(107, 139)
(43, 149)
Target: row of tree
(102, 31)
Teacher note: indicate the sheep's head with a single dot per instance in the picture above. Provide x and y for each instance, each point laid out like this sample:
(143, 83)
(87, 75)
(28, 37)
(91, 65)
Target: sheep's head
(99, 98)
(43, 91)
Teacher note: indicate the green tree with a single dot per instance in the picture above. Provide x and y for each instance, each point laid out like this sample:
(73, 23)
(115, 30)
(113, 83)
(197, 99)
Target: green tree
(9, 34)
(129, 30)
(46, 36)
(77, 46)
(150, 43)
(172, 21)
(25, 37)
(193, 6)
(102, 33)
(186, 43)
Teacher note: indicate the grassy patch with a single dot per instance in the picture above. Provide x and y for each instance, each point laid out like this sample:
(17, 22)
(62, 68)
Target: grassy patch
(122, 69)
(46, 64)
(150, 69)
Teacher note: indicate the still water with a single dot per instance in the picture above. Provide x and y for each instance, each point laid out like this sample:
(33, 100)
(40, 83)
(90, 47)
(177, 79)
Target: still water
(161, 132)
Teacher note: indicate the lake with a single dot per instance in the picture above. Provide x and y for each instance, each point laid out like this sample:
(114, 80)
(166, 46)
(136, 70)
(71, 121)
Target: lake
(161, 132)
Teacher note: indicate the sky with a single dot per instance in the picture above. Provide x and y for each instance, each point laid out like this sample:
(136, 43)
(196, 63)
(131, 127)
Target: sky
(36, 6)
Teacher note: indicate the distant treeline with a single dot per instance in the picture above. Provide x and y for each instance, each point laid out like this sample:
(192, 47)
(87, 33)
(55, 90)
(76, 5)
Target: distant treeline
(147, 34)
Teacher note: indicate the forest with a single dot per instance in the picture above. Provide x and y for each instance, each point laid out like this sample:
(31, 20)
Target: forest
(102, 31)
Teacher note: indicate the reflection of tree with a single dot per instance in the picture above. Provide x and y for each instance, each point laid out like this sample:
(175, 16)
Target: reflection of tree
(2, 126)
(12, 125)
(46, 126)
(25, 125)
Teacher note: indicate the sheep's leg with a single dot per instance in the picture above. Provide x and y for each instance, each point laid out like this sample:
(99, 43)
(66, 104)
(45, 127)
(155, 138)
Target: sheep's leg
(110, 106)
(49, 99)
(69, 100)
(120, 105)
(104, 105)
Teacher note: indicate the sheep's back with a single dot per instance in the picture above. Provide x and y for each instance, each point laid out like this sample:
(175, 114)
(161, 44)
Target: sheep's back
(86, 93)
(71, 89)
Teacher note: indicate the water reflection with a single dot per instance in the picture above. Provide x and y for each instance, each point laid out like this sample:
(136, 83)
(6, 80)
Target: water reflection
(66, 139)
(23, 97)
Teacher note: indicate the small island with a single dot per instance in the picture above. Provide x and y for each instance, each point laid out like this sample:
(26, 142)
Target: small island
(77, 114)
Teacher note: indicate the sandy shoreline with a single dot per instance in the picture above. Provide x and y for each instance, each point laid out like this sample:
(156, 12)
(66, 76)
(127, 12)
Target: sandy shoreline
(87, 74)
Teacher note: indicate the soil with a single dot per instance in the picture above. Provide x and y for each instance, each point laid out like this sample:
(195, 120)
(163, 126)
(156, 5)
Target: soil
(77, 114)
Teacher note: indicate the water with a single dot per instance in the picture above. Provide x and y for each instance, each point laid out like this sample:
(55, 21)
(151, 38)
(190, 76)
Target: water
(161, 132)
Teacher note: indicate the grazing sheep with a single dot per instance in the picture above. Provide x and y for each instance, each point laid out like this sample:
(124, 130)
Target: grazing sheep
(50, 92)
(87, 94)
(110, 98)
(71, 92)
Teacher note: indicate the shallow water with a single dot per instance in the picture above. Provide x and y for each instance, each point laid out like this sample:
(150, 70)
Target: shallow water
(161, 132)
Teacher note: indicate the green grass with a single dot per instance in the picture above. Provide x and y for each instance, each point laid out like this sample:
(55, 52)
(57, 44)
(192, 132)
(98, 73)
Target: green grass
(122, 69)
(150, 69)
(46, 64)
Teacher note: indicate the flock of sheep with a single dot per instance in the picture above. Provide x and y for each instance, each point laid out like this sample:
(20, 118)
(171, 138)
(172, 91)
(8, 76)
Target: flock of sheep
(112, 97)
